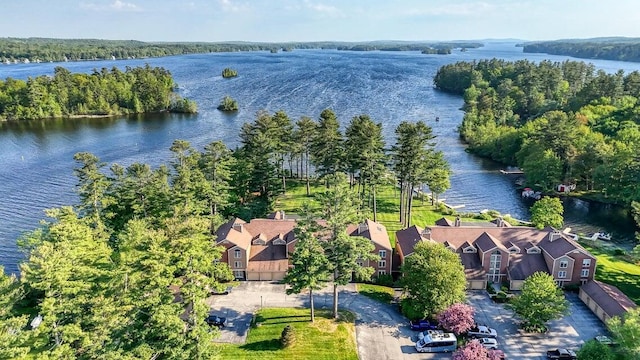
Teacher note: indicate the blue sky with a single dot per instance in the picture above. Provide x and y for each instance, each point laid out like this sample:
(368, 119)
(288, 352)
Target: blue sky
(315, 20)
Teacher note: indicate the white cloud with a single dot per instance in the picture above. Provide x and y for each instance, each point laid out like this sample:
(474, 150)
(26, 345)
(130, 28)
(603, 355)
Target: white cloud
(462, 9)
(117, 5)
(233, 6)
(323, 9)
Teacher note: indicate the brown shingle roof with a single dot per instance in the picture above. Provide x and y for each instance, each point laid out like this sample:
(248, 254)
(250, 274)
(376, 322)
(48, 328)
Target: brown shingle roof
(523, 265)
(560, 246)
(472, 267)
(612, 301)
(486, 242)
(408, 238)
(240, 238)
(374, 231)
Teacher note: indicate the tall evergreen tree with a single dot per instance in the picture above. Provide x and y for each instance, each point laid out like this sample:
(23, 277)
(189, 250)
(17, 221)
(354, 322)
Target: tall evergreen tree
(339, 209)
(310, 269)
(304, 134)
(92, 187)
(327, 150)
(216, 163)
(413, 159)
(364, 148)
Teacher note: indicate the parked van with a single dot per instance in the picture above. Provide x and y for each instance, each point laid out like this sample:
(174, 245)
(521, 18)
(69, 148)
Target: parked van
(437, 342)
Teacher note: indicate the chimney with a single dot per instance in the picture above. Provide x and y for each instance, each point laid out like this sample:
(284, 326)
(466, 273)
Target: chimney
(282, 217)
(237, 227)
(362, 228)
(500, 222)
(457, 222)
(426, 233)
(554, 235)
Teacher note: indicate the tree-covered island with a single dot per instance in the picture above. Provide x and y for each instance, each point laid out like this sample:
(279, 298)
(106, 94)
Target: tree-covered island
(101, 93)
(229, 73)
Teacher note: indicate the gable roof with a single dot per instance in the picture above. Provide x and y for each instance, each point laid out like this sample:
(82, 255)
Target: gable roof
(612, 301)
(375, 232)
(240, 238)
(407, 239)
(561, 245)
(486, 242)
(523, 265)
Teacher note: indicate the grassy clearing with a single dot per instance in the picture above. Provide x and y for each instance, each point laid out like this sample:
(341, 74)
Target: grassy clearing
(325, 339)
(387, 199)
(380, 293)
(616, 270)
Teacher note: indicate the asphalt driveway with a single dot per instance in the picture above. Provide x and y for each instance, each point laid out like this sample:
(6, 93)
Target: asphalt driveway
(579, 326)
(381, 331)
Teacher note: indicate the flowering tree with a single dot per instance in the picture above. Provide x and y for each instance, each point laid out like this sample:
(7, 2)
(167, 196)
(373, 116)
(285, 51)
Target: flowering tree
(457, 318)
(472, 351)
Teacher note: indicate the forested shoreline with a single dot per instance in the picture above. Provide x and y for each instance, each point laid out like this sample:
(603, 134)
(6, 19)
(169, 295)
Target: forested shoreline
(101, 93)
(560, 122)
(14, 50)
(620, 49)
(124, 273)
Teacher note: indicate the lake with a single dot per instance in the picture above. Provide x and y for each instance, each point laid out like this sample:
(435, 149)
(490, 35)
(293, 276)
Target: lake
(36, 157)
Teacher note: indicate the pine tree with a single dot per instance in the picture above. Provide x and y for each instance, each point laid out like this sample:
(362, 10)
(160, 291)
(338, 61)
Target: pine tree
(310, 265)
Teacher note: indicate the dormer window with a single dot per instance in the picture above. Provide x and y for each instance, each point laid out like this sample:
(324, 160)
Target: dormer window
(469, 249)
(533, 250)
(514, 250)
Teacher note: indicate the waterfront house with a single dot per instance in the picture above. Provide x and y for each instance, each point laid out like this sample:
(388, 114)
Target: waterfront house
(500, 253)
(260, 249)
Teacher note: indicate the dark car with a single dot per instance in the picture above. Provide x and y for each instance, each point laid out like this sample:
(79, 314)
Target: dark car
(562, 354)
(214, 320)
(422, 325)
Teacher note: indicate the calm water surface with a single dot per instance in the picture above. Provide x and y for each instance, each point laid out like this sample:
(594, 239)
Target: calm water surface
(36, 158)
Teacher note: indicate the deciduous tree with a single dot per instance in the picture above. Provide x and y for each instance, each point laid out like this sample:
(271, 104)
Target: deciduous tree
(626, 331)
(457, 318)
(433, 279)
(540, 301)
(547, 212)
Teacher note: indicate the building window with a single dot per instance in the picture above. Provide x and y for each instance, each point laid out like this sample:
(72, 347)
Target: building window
(237, 254)
(564, 264)
(586, 262)
(382, 272)
(382, 263)
(494, 266)
(562, 274)
(383, 254)
(237, 264)
(238, 274)
(584, 273)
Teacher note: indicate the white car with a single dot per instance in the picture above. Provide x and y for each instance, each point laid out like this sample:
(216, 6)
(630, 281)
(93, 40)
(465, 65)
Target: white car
(489, 343)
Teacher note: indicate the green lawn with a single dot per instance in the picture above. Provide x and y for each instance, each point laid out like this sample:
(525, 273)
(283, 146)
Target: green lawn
(383, 294)
(387, 199)
(324, 339)
(616, 270)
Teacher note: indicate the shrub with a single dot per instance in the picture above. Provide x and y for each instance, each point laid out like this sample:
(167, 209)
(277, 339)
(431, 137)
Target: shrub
(384, 280)
(288, 336)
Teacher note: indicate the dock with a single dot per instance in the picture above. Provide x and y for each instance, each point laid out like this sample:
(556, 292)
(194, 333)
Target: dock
(512, 172)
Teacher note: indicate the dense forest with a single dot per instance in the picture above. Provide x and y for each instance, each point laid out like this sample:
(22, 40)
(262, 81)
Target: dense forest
(105, 92)
(616, 48)
(560, 122)
(14, 50)
(124, 273)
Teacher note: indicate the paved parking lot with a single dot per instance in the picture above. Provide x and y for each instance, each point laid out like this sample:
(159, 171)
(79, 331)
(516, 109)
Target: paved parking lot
(579, 326)
(383, 333)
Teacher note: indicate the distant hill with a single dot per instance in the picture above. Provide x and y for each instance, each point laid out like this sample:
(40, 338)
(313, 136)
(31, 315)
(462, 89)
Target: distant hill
(605, 48)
